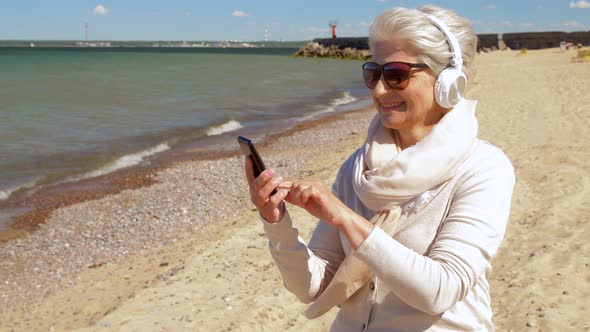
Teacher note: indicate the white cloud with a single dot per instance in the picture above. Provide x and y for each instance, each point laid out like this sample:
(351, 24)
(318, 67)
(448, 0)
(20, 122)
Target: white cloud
(100, 10)
(365, 24)
(488, 7)
(239, 13)
(275, 23)
(251, 22)
(187, 14)
(380, 0)
(580, 4)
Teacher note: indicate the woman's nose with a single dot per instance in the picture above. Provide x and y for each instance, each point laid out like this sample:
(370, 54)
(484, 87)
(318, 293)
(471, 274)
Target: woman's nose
(381, 88)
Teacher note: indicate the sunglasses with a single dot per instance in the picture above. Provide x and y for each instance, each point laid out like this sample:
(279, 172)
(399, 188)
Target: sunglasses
(395, 74)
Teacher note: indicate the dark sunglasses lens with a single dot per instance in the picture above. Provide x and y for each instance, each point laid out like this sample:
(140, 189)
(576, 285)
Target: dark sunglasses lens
(371, 74)
(397, 75)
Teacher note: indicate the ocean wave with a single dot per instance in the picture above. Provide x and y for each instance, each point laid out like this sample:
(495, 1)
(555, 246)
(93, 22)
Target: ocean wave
(332, 107)
(122, 162)
(346, 98)
(231, 125)
(5, 193)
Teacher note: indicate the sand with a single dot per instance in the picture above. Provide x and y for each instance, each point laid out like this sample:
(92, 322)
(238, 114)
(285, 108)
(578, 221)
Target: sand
(188, 252)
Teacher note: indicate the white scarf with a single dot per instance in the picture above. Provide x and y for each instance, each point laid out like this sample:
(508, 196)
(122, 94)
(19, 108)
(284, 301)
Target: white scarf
(385, 177)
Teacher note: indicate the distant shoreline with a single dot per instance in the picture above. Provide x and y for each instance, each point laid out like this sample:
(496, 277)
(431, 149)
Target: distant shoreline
(281, 51)
(147, 44)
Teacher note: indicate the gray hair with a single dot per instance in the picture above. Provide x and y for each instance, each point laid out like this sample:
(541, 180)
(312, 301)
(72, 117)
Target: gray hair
(430, 42)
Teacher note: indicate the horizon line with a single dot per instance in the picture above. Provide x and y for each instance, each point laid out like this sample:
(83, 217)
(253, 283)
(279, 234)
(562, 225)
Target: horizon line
(250, 41)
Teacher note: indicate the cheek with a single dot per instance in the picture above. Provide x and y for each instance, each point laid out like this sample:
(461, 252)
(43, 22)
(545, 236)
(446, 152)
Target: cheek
(422, 92)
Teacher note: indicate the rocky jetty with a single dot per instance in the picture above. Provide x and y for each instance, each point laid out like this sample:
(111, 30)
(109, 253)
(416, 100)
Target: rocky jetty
(317, 50)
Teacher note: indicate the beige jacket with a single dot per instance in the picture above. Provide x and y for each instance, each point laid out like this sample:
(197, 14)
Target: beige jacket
(433, 274)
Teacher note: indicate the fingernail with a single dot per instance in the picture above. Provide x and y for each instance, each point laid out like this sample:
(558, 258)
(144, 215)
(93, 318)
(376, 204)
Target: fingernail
(271, 172)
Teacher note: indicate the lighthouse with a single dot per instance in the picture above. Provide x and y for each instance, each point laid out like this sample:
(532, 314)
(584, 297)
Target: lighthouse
(333, 28)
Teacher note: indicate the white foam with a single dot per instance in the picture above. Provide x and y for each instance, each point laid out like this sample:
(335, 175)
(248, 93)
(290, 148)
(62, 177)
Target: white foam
(346, 98)
(123, 162)
(5, 193)
(231, 125)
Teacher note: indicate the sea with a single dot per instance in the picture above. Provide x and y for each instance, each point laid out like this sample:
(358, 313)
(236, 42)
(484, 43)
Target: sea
(73, 113)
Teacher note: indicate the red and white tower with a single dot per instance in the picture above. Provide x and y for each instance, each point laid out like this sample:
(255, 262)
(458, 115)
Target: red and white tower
(266, 34)
(333, 28)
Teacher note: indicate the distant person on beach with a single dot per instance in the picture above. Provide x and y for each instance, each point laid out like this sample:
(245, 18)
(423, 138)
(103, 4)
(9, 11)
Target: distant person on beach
(410, 227)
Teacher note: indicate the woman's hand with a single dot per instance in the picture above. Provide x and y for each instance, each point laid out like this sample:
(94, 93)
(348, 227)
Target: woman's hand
(271, 208)
(318, 200)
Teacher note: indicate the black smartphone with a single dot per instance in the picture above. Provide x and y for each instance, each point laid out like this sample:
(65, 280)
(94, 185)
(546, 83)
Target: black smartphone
(247, 147)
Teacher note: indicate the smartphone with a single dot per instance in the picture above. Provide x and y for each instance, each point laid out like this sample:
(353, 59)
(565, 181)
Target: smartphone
(247, 147)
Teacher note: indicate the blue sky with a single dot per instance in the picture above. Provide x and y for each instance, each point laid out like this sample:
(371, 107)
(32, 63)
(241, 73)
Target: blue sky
(247, 20)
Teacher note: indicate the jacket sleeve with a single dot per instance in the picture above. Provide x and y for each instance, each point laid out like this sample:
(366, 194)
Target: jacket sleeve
(305, 270)
(466, 243)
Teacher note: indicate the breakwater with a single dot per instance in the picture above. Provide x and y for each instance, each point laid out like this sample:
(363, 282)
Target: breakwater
(533, 40)
(358, 47)
(341, 48)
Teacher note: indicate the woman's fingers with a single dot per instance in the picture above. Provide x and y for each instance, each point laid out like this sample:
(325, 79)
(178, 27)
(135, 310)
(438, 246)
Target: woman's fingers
(263, 178)
(307, 194)
(274, 208)
(270, 207)
(264, 193)
(299, 192)
(277, 198)
(275, 204)
(257, 182)
(285, 185)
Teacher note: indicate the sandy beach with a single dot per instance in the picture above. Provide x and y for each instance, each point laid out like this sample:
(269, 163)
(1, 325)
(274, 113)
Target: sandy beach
(185, 251)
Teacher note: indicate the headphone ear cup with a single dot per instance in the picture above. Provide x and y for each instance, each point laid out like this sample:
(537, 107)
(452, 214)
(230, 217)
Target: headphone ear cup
(450, 87)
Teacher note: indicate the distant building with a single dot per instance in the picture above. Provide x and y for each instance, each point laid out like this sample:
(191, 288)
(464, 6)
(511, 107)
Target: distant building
(93, 44)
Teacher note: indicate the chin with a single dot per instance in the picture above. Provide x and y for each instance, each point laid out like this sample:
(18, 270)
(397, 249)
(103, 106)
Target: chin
(392, 120)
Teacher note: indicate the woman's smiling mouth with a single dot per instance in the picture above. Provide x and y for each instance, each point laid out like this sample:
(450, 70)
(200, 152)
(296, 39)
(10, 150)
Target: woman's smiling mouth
(391, 107)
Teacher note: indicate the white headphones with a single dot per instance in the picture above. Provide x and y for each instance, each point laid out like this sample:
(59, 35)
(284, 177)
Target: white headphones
(451, 83)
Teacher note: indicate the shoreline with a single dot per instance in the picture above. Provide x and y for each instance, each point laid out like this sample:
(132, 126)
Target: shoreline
(26, 210)
(88, 236)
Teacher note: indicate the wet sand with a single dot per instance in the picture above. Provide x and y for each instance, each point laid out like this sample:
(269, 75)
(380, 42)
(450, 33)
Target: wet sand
(181, 247)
